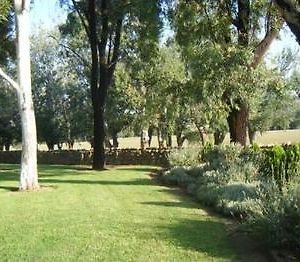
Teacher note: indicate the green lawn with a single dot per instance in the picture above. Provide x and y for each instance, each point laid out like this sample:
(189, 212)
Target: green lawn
(115, 215)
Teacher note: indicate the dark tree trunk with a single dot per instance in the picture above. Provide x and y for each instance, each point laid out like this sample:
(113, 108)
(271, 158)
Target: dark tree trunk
(237, 122)
(70, 144)
(169, 140)
(50, 146)
(180, 140)
(202, 133)
(105, 45)
(115, 139)
(150, 134)
(219, 137)
(179, 137)
(142, 140)
(7, 146)
(160, 139)
(238, 117)
(251, 134)
(99, 138)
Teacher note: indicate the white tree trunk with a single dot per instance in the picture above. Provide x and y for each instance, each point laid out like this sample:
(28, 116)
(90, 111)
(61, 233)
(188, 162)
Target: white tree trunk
(29, 175)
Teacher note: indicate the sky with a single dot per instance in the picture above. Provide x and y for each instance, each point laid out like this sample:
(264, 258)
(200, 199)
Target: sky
(46, 14)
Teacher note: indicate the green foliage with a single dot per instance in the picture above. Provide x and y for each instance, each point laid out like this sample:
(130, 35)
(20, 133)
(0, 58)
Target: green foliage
(122, 102)
(221, 157)
(186, 157)
(278, 223)
(61, 96)
(10, 129)
(226, 182)
(5, 6)
(259, 186)
(177, 176)
(281, 163)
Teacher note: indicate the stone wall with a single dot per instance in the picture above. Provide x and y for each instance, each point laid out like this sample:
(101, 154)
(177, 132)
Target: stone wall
(83, 157)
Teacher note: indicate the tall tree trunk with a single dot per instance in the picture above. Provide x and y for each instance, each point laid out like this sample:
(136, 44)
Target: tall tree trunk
(99, 138)
(238, 117)
(105, 45)
(29, 175)
(237, 122)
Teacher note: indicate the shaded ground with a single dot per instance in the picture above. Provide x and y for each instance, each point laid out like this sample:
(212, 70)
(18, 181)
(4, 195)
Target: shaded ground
(114, 215)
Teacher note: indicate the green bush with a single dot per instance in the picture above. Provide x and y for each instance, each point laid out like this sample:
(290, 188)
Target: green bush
(221, 157)
(279, 222)
(261, 186)
(238, 199)
(177, 176)
(186, 157)
(281, 163)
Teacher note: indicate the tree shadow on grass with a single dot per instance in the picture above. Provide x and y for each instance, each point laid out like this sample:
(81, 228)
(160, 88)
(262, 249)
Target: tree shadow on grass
(181, 204)
(205, 236)
(137, 169)
(10, 188)
(136, 182)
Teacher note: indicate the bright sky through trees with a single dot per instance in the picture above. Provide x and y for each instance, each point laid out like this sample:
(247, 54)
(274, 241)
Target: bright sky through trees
(47, 13)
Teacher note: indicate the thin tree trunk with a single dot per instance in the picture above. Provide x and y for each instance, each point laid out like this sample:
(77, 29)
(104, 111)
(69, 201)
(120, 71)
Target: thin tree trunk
(180, 140)
(150, 134)
(29, 175)
(169, 140)
(115, 139)
(251, 134)
(219, 137)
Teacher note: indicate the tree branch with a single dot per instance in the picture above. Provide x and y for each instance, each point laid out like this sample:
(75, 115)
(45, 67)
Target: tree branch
(264, 45)
(83, 60)
(81, 18)
(291, 15)
(12, 83)
(117, 44)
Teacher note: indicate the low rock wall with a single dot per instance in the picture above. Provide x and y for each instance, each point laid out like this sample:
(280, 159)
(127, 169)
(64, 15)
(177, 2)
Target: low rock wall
(83, 157)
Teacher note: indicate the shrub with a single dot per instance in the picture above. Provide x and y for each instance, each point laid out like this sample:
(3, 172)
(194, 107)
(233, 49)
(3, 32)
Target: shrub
(279, 222)
(258, 185)
(177, 176)
(238, 199)
(186, 157)
(221, 157)
(281, 164)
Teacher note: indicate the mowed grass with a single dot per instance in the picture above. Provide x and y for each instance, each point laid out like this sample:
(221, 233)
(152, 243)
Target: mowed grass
(116, 215)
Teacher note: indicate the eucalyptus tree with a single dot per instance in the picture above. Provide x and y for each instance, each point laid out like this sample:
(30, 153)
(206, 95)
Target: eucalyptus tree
(29, 175)
(159, 81)
(122, 103)
(221, 44)
(60, 92)
(104, 22)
